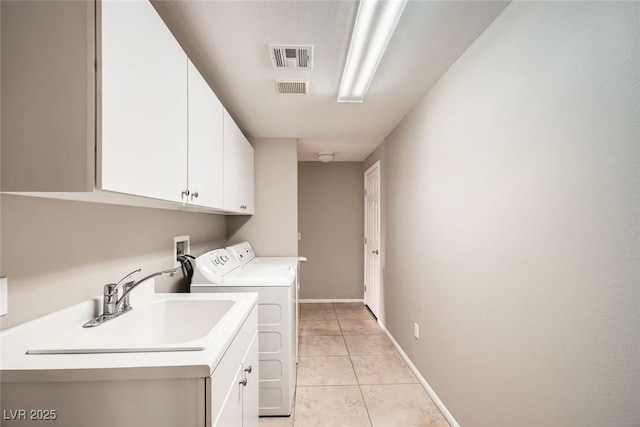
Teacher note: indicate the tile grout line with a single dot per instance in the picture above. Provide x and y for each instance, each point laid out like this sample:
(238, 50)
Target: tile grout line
(327, 355)
(341, 331)
(364, 402)
(354, 373)
(329, 385)
(366, 409)
(293, 415)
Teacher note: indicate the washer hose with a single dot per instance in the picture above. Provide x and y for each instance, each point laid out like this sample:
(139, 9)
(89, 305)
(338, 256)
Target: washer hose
(187, 266)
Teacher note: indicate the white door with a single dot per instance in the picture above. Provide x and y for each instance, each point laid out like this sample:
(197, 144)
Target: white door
(205, 143)
(372, 238)
(143, 93)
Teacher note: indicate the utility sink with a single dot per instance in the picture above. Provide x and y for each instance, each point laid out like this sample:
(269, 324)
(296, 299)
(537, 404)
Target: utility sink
(161, 325)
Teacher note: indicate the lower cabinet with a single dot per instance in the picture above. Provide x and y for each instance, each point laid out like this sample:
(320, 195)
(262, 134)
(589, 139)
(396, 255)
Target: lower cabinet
(240, 407)
(251, 391)
(228, 398)
(232, 390)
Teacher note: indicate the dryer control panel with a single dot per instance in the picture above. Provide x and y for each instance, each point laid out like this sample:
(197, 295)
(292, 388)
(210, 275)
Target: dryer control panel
(216, 264)
(242, 252)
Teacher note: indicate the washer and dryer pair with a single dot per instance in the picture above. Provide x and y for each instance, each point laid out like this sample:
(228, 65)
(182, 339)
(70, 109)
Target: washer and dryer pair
(276, 280)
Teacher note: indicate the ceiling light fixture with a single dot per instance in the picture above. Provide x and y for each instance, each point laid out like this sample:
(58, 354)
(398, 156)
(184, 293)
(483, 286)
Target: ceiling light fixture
(325, 157)
(375, 23)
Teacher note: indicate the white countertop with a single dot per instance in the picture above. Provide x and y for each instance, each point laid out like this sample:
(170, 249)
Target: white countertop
(17, 366)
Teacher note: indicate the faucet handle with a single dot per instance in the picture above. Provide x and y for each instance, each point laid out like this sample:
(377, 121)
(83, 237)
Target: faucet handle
(127, 276)
(126, 304)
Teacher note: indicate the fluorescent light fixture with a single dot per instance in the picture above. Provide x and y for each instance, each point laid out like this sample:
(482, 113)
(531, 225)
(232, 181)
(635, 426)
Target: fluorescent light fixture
(375, 23)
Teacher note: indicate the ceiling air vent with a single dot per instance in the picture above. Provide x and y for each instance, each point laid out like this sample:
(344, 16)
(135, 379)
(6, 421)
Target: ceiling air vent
(291, 56)
(292, 87)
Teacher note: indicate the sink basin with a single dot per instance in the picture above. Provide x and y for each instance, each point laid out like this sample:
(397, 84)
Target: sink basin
(162, 325)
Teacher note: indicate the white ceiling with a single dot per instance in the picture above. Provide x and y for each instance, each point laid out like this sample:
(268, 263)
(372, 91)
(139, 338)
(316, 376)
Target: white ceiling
(227, 41)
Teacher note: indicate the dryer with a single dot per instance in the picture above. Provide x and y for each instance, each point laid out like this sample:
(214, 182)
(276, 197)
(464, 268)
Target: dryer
(275, 283)
(246, 257)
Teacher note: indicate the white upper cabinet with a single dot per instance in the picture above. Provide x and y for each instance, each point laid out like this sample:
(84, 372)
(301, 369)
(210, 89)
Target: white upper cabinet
(143, 79)
(100, 103)
(205, 182)
(238, 169)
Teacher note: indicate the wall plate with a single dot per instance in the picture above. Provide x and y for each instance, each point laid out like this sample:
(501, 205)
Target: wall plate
(181, 246)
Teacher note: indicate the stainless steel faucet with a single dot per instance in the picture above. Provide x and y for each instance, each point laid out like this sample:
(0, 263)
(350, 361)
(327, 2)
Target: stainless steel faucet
(114, 306)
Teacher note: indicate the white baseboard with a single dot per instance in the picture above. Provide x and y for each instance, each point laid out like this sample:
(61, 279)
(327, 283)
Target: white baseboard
(425, 384)
(310, 301)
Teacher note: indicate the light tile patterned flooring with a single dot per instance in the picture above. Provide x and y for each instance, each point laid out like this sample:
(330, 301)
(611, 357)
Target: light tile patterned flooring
(350, 375)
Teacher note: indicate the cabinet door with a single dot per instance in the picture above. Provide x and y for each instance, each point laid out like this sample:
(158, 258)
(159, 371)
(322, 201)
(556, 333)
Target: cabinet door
(231, 412)
(205, 143)
(238, 169)
(142, 92)
(247, 182)
(252, 389)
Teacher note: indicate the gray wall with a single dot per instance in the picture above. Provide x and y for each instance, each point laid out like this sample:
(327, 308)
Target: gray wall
(513, 222)
(331, 218)
(273, 230)
(57, 253)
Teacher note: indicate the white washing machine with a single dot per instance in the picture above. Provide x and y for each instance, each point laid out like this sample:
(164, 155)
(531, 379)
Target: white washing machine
(275, 283)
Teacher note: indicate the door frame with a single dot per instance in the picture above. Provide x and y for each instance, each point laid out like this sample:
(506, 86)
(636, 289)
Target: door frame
(378, 226)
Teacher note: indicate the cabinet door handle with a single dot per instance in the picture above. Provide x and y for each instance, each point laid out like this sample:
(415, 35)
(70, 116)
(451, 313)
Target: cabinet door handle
(243, 383)
(195, 194)
(375, 252)
(248, 369)
(185, 192)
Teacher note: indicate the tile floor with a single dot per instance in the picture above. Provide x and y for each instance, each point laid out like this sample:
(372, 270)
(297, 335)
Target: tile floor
(350, 375)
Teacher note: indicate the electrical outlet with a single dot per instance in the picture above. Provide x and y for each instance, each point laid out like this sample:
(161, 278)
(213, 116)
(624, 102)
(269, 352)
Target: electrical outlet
(299, 236)
(181, 246)
(416, 331)
(4, 303)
